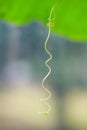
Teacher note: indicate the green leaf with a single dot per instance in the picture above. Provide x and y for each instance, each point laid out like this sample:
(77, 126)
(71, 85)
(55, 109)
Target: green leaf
(70, 16)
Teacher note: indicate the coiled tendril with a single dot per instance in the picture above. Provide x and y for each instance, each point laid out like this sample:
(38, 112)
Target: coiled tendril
(50, 24)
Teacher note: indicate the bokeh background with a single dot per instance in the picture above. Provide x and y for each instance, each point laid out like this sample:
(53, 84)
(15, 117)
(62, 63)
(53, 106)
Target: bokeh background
(22, 69)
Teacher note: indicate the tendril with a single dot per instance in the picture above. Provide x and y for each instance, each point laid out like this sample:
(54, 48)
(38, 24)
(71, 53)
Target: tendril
(50, 24)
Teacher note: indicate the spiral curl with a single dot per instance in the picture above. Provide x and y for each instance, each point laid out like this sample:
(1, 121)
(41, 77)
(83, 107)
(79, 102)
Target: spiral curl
(50, 24)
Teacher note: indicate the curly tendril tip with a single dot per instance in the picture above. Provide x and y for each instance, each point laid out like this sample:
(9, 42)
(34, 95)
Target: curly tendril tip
(50, 24)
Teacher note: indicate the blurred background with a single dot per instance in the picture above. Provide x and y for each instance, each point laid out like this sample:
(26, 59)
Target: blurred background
(22, 69)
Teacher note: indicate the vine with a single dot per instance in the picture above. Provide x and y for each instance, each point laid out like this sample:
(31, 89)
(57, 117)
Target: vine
(50, 24)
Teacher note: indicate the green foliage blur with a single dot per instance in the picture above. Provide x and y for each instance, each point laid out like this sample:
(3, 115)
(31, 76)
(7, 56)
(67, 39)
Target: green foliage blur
(70, 16)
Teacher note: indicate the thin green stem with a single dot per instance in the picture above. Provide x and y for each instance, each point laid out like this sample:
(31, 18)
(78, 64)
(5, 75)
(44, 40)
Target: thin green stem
(50, 24)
